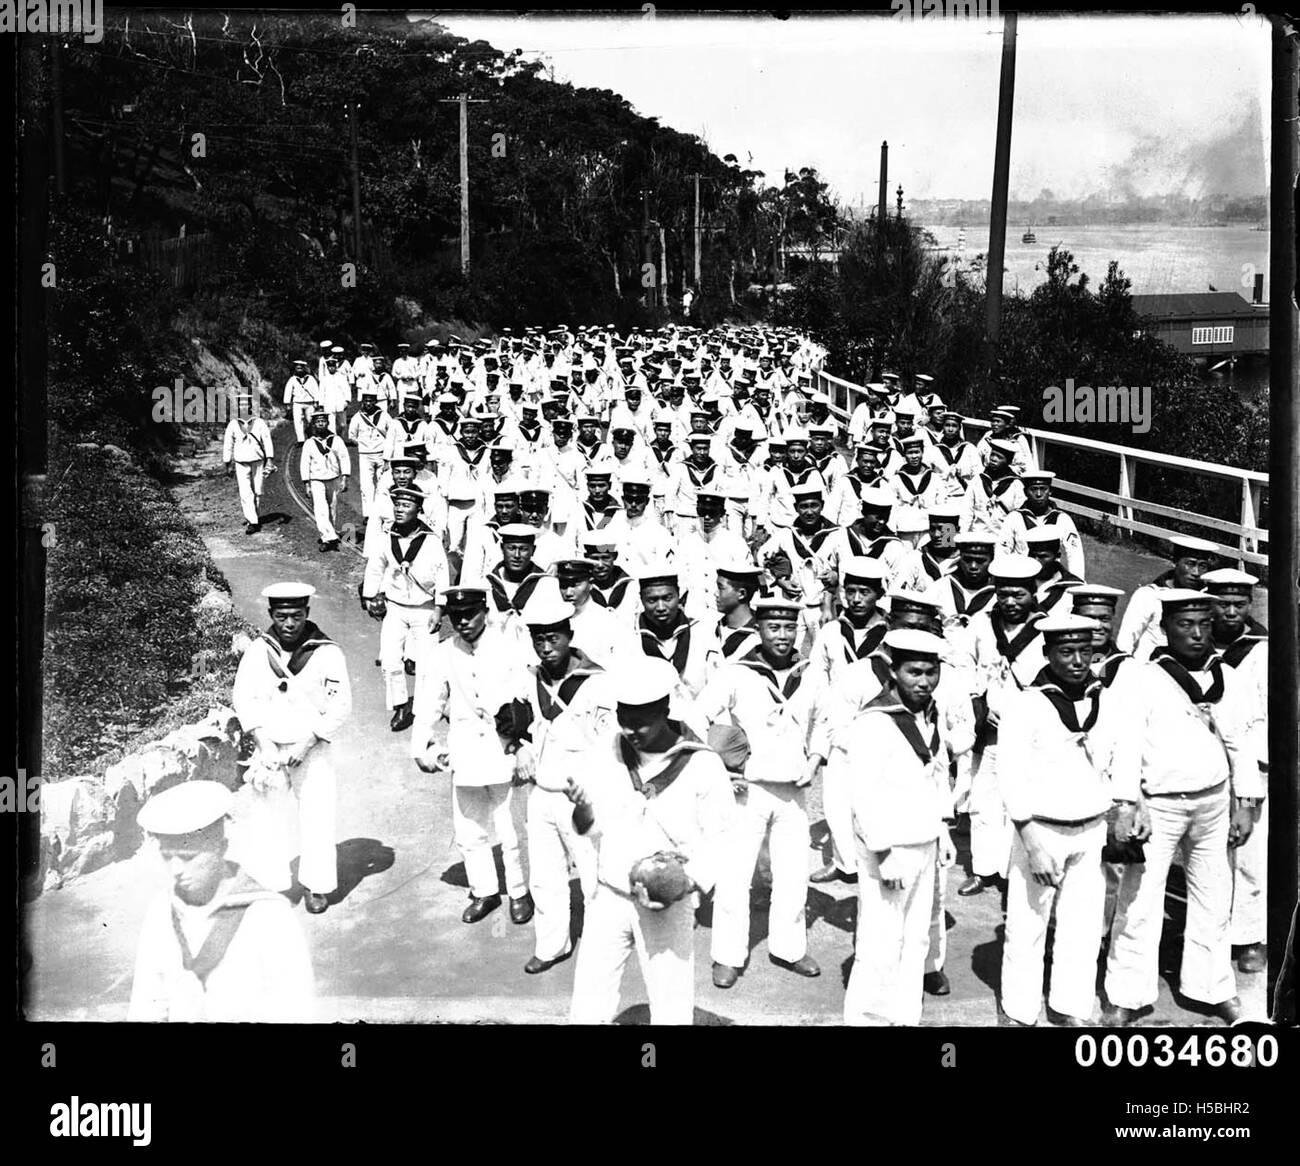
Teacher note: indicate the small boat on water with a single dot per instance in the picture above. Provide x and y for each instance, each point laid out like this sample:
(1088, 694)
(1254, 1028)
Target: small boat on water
(1029, 236)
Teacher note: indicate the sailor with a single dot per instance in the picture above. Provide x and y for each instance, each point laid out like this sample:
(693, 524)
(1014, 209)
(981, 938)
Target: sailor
(325, 466)
(605, 637)
(368, 431)
(569, 719)
(302, 397)
(612, 587)
(807, 555)
(555, 537)
(248, 454)
(701, 547)
(514, 578)
(406, 375)
(441, 430)
(666, 631)
(1242, 644)
(917, 487)
(738, 583)
(600, 508)
(1052, 587)
(1139, 630)
(408, 428)
(938, 550)
(1096, 601)
(218, 945)
(1185, 751)
(336, 388)
(1004, 653)
(405, 572)
(1040, 510)
(470, 678)
(994, 493)
(871, 535)
(460, 481)
(662, 793)
(483, 543)
(1053, 759)
(900, 807)
(772, 698)
(292, 696)
(1002, 427)
(846, 500)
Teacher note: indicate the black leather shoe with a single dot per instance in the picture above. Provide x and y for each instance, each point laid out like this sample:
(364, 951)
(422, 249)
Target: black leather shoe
(521, 909)
(936, 983)
(535, 967)
(322, 546)
(409, 665)
(314, 903)
(403, 718)
(252, 527)
(480, 908)
(1253, 958)
(807, 966)
(725, 976)
(1115, 1016)
(827, 874)
(1005, 1021)
(972, 886)
(1229, 1011)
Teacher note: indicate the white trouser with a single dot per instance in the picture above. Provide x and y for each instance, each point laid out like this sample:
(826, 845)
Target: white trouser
(459, 514)
(402, 637)
(266, 847)
(810, 621)
(249, 477)
(552, 843)
(990, 828)
(1206, 972)
(477, 812)
(371, 466)
(665, 948)
(1078, 903)
(324, 506)
(1113, 873)
(300, 426)
(836, 805)
(890, 946)
(778, 808)
(937, 954)
(1250, 884)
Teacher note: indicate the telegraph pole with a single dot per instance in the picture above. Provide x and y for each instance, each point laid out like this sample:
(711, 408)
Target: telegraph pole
(464, 101)
(1284, 521)
(56, 110)
(356, 181)
(884, 183)
(1001, 181)
(697, 230)
(646, 249)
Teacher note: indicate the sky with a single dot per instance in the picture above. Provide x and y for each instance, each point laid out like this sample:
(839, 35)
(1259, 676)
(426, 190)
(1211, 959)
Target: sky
(1124, 105)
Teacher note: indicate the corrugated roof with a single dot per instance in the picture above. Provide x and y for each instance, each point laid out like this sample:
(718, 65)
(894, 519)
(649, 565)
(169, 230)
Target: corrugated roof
(1195, 304)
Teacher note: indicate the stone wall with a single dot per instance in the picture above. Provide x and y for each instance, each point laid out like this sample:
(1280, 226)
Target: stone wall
(89, 822)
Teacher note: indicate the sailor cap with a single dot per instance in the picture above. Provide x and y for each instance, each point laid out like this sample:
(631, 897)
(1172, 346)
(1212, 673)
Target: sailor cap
(187, 808)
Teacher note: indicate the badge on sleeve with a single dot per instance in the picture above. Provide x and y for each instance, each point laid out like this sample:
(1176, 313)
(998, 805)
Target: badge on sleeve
(332, 688)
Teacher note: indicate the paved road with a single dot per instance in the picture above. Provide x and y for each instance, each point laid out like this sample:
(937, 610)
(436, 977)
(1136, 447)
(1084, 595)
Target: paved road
(393, 948)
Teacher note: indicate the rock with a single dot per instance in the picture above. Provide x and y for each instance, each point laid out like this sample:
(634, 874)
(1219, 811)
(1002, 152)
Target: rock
(116, 451)
(91, 811)
(97, 852)
(129, 771)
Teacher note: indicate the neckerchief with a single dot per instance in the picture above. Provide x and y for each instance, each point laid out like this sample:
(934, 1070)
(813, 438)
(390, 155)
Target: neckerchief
(1009, 649)
(968, 602)
(1254, 634)
(312, 638)
(1032, 520)
(823, 464)
(1108, 668)
(663, 453)
(873, 634)
(1053, 591)
(477, 459)
(530, 433)
(857, 482)
(888, 702)
(408, 426)
(324, 444)
(554, 698)
(226, 918)
(523, 591)
(741, 458)
(448, 427)
(816, 540)
(679, 635)
(611, 594)
(797, 477)
(701, 478)
(906, 478)
(737, 638)
(996, 487)
(1183, 678)
(935, 567)
(679, 756)
(952, 452)
(405, 558)
(783, 691)
(588, 452)
(871, 549)
(1057, 697)
(606, 516)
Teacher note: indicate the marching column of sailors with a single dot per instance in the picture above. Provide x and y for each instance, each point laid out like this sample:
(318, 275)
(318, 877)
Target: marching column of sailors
(673, 606)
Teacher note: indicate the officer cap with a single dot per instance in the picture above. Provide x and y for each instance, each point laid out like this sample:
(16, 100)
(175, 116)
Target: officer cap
(774, 607)
(535, 493)
(278, 594)
(637, 479)
(1067, 627)
(1228, 580)
(192, 807)
(463, 596)
(1085, 593)
(1013, 568)
(711, 500)
(414, 493)
(580, 566)
(644, 680)
(913, 644)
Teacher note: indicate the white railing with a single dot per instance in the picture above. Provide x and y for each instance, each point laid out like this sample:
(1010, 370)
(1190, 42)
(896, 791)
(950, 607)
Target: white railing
(1246, 534)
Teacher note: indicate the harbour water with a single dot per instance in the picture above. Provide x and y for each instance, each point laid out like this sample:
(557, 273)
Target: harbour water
(1158, 259)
